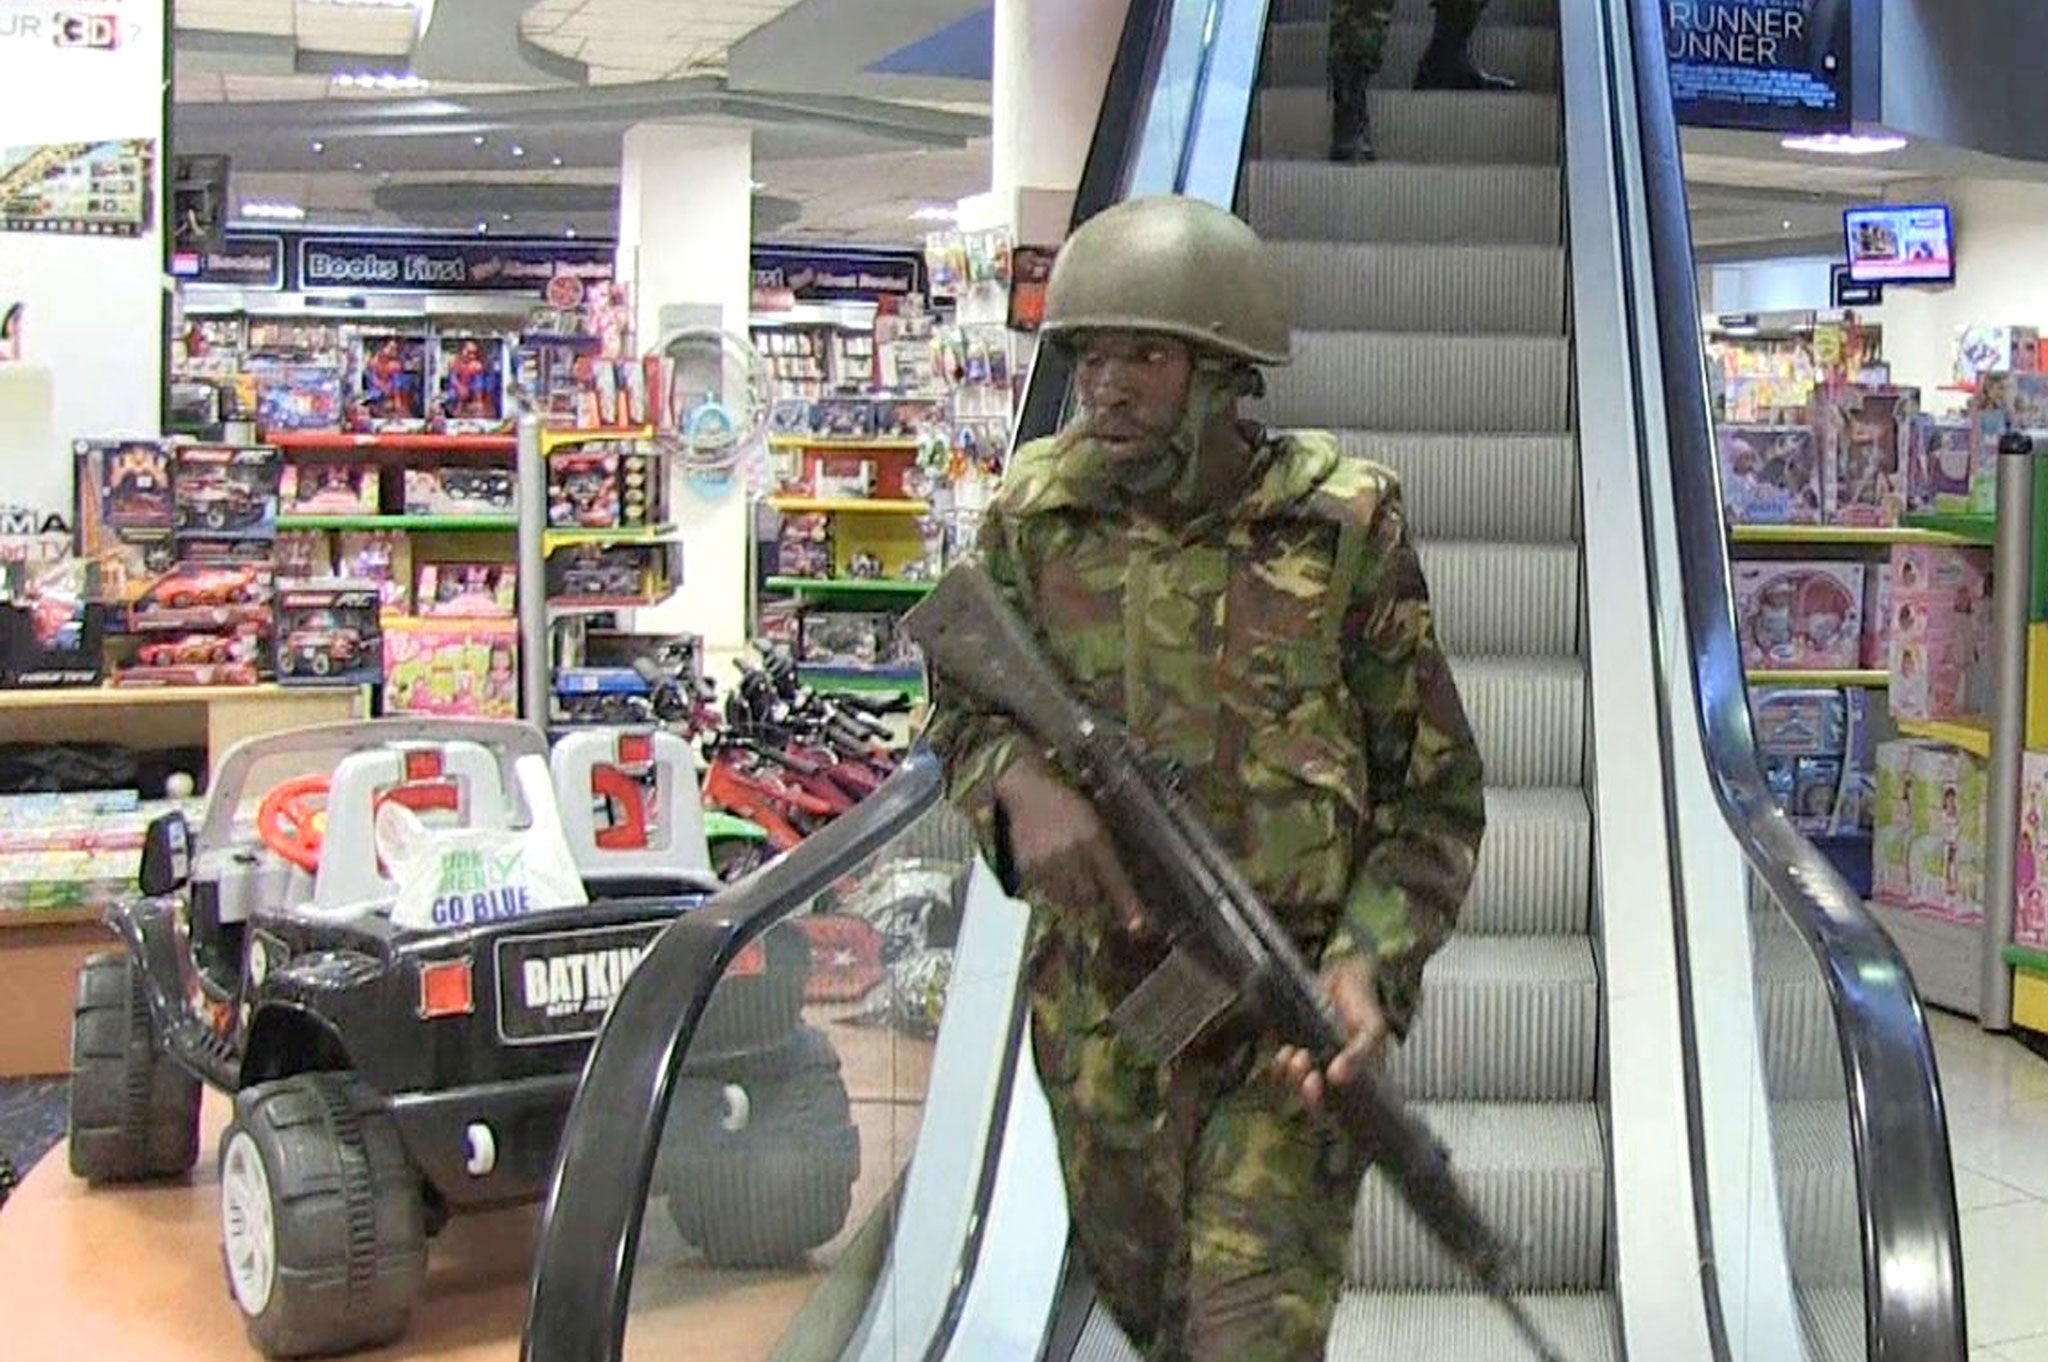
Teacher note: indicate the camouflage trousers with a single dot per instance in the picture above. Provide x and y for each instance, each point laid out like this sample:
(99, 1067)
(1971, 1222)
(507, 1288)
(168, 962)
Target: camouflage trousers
(1211, 1215)
(1358, 36)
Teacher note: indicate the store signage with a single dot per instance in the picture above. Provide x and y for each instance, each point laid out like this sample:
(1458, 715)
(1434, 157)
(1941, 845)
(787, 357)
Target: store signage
(1770, 65)
(245, 262)
(446, 265)
(789, 275)
(1848, 292)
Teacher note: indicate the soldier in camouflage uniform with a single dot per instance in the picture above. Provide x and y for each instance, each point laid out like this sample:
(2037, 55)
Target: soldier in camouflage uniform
(1358, 35)
(1249, 604)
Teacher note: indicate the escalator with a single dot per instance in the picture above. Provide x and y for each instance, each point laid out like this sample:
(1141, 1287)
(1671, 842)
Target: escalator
(1710, 1133)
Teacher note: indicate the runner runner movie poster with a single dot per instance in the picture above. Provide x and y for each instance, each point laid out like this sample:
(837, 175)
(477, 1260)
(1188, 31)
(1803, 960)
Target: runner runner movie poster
(1773, 65)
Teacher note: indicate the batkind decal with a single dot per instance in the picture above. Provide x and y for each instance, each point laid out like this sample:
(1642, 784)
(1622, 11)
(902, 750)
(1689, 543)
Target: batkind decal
(567, 985)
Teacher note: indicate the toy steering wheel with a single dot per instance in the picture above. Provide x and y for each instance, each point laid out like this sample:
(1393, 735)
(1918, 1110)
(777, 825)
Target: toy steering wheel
(290, 824)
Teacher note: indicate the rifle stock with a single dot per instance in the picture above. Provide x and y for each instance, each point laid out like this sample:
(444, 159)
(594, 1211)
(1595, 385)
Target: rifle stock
(1225, 947)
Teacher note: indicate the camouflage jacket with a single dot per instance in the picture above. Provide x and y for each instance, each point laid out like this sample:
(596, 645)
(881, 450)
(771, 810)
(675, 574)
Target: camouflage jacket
(1282, 655)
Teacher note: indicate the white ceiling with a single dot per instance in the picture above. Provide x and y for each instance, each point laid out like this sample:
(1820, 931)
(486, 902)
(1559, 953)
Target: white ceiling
(627, 40)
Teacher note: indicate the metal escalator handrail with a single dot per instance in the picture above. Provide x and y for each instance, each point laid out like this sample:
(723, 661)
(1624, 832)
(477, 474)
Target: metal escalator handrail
(582, 1275)
(1912, 1257)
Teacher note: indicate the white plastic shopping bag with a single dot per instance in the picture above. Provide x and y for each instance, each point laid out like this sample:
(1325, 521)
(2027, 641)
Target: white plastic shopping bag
(464, 877)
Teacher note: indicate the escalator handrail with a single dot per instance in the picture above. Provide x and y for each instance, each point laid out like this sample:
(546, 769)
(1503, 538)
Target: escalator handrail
(582, 1274)
(1912, 1256)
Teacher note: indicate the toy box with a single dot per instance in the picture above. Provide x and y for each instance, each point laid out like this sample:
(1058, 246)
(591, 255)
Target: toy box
(1874, 650)
(803, 546)
(51, 628)
(852, 639)
(1862, 474)
(1770, 475)
(2030, 866)
(232, 655)
(226, 492)
(317, 487)
(468, 590)
(328, 634)
(471, 385)
(300, 554)
(1891, 873)
(2022, 397)
(461, 489)
(1940, 461)
(123, 485)
(837, 476)
(390, 390)
(1815, 749)
(1945, 801)
(843, 418)
(298, 396)
(467, 668)
(583, 489)
(1799, 615)
(380, 556)
(590, 572)
(1939, 618)
(1983, 350)
(204, 597)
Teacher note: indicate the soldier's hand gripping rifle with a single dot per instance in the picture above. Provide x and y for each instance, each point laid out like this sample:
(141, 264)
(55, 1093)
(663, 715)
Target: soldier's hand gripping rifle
(1223, 949)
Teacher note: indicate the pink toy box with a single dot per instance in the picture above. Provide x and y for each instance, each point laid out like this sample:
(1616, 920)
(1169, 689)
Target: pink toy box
(1941, 463)
(1862, 472)
(2030, 880)
(1938, 620)
(1984, 350)
(1799, 615)
(1874, 653)
(1770, 475)
(467, 668)
(1946, 797)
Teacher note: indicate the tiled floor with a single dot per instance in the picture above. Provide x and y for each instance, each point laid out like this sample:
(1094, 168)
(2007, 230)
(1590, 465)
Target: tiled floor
(1997, 1094)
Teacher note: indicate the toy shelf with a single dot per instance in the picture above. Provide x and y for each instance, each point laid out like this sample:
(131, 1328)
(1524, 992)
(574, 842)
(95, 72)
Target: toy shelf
(846, 586)
(552, 440)
(642, 534)
(600, 605)
(828, 442)
(1979, 530)
(1843, 534)
(846, 506)
(1971, 735)
(350, 441)
(397, 522)
(15, 918)
(1854, 677)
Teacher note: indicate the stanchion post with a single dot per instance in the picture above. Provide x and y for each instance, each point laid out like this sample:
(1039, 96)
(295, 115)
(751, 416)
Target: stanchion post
(535, 666)
(2012, 568)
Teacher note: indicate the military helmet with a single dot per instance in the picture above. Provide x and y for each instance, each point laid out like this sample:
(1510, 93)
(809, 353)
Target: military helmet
(1177, 266)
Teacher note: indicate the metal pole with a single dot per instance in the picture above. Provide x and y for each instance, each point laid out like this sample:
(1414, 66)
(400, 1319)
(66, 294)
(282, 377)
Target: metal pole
(2012, 566)
(535, 666)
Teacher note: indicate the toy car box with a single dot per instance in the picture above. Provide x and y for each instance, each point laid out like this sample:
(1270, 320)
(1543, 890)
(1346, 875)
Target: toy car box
(591, 572)
(196, 596)
(328, 634)
(468, 590)
(292, 397)
(1770, 475)
(1799, 615)
(234, 655)
(328, 487)
(460, 489)
(227, 492)
(52, 631)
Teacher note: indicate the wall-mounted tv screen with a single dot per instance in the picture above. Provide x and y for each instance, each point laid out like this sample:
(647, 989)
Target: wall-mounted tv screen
(1901, 244)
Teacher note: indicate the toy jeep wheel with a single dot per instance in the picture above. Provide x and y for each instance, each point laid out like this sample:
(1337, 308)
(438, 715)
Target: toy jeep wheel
(322, 1225)
(216, 518)
(760, 1161)
(287, 661)
(750, 1012)
(322, 663)
(134, 1112)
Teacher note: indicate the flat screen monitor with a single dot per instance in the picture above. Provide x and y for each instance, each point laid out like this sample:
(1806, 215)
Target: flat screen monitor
(1900, 244)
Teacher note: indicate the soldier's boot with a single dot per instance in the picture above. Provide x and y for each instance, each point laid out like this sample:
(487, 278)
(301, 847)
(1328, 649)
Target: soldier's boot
(1447, 63)
(1351, 126)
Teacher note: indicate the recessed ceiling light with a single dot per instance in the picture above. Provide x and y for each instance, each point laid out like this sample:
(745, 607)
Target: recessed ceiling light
(482, 226)
(935, 212)
(555, 161)
(504, 217)
(518, 150)
(355, 165)
(274, 212)
(569, 232)
(1786, 225)
(390, 82)
(1845, 143)
(477, 140)
(318, 146)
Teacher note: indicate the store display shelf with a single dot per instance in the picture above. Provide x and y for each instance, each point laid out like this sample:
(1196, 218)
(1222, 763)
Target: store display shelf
(2027, 957)
(397, 522)
(1852, 677)
(846, 506)
(1963, 529)
(1842, 534)
(638, 534)
(901, 446)
(65, 697)
(600, 605)
(11, 918)
(552, 440)
(826, 677)
(846, 586)
(1972, 735)
(318, 440)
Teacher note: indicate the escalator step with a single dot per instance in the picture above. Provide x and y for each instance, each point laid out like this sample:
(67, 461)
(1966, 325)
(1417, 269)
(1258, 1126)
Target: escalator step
(1500, 290)
(1533, 865)
(1408, 381)
(1432, 127)
(1507, 488)
(1536, 1171)
(1835, 1323)
(1528, 715)
(1802, 1056)
(1466, 1327)
(1504, 1018)
(1512, 600)
(1540, 12)
(1817, 1188)
(1298, 54)
(1311, 201)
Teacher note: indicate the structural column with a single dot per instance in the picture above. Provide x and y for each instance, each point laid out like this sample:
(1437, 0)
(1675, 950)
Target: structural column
(685, 228)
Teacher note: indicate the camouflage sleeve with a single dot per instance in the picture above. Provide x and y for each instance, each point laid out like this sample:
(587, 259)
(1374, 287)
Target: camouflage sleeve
(973, 744)
(1417, 851)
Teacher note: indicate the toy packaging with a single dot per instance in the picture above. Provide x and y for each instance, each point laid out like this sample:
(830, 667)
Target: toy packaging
(1799, 615)
(51, 626)
(1863, 477)
(583, 489)
(468, 590)
(317, 487)
(1940, 464)
(204, 597)
(472, 383)
(227, 493)
(461, 489)
(298, 396)
(391, 384)
(1946, 797)
(465, 668)
(1982, 350)
(231, 655)
(1874, 651)
(840, 477)
(300, 554)
(589, 572)
(1770, 475)
(1815, 749)
(1939, 619)
(380, 556)
(1891, 872)
(2030, 878)
(2022, 397)
(123, 484)
(843, 418)
(328, 634)
(852, 639)
(803, 546)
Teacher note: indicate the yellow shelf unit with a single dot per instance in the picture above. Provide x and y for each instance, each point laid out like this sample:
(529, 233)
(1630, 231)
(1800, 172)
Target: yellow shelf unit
(846, 506)
(552, 440)
(641, 534)
(837, 442)
(1855, 677)
(1841, 534)
(1972, 735)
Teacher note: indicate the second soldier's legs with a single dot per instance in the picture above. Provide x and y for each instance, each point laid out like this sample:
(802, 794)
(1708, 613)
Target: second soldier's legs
(1448, 64)
(1358, 34)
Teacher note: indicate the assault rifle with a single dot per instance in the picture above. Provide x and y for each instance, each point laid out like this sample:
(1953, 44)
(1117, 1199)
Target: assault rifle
(1221, 949)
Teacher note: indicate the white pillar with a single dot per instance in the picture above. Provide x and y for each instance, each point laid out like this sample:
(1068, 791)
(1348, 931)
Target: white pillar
(685, 228)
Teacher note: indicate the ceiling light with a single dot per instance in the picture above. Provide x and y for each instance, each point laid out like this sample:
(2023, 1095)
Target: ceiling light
(387, 82)
(1785, 225)
(318, 146)
(518, 150)
(275, 212)
(569, 232)
(477, 140)
(1845, 143)
(935, 212)
(504, 217)
(555, 161)
(355, 166)
(482, 226)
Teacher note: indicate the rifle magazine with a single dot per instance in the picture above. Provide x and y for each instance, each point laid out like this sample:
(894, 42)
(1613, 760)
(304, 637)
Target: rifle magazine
(1172, 1005)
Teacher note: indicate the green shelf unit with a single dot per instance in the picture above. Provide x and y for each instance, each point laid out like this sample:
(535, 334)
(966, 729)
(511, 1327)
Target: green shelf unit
(1959, 529)
(1852, 677)
(834, 588)
(398, 522)
(1824, 535)
(862, 679)
(639, 534)
(2026, 957)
